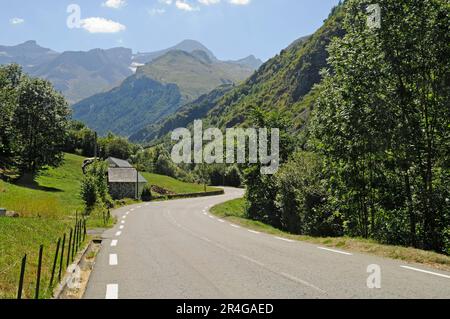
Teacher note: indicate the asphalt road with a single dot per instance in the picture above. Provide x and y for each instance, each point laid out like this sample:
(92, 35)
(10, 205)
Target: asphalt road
(176, 249)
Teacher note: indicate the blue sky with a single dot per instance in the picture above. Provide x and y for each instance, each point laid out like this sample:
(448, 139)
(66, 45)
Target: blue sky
(232, 29)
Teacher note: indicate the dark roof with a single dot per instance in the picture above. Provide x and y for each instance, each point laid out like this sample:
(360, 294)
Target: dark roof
(124, 175)
(118, 163)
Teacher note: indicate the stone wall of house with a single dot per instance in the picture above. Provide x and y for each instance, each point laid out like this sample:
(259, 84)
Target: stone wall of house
(124, 190)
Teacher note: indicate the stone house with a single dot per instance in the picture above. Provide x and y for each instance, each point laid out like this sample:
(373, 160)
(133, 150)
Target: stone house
(123, 179)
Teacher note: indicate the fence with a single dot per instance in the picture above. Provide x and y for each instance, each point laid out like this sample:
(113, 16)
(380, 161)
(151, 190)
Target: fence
(66, 249)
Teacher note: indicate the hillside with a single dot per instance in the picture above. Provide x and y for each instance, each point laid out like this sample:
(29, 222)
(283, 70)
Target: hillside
(284, 83)
(195, 73)
(184, 116)
(156, 91)
(79, 75)
(129, 107)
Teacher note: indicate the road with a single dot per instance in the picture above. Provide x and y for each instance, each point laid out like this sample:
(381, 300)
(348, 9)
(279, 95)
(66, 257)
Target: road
(176, 249)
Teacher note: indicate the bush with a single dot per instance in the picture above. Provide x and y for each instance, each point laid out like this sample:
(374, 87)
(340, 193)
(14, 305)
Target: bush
(233, 177)
(89, 191)
(303, 200)
(147, 193)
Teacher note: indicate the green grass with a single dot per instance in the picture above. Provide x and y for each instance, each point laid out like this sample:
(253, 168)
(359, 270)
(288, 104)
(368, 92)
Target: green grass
(47, 208)
(234, 211)
(175, 186)
(54, 194)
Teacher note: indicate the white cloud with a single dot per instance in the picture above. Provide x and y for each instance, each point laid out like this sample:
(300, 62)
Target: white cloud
(16, 21)
(156, 11)
(101, 25)
(115, 4)
(240, 2)
(209, 2)
(183, 5)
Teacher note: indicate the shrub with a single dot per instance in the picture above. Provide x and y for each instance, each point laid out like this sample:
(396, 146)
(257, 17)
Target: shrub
(89, 191)
(147, 193)
(303, 200)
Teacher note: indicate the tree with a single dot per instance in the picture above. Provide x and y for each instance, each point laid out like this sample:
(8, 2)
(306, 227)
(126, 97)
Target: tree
(381, 122)
(9, 80)
(40, 122)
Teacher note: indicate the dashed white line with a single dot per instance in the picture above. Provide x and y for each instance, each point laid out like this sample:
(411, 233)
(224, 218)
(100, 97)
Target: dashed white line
(252, 260)
(124, 217)
(254, 232)
(335, 251)
(284, 239)
(212, 217)
(113, 260)
(114, 243)
(122, 222)
(221, 220)
(121, 227)
(235, 226)
(426, 272)
(118, 233)
(298, 280)
(112, 291)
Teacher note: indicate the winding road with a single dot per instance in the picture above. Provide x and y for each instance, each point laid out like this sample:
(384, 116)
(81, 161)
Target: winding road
(176, 249)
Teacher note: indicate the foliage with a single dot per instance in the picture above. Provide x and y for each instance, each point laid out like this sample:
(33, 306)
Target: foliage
(302, 198)
(147, 193)
(381, 123)
(94, 188)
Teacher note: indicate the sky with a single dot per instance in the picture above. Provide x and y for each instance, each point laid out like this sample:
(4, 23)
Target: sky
(231, 29)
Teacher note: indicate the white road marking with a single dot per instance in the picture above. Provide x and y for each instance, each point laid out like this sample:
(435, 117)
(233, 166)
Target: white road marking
(122, 222)
(205, 214)
(221, 220)
(298, 280)
(127, 213)
(139, 207)
(132, 210)
(113, 260)
(212, 217)
(252, 260)
(426, 272)
(112, 291)
(235, 226)
(124, 217)
(121, 227)
(118, 233)
(284, 239)
(335, 251)
(114, 243)
(254, 232)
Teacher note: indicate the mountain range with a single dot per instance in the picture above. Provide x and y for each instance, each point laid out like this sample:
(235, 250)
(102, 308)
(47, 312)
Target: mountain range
(285, 83)
(157, 90)
(80, 74)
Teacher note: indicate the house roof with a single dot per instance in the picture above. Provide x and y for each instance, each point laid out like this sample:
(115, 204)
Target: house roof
(124, 175)
(118, 163)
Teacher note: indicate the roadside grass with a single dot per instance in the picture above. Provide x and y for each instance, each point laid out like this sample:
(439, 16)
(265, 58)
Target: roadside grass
(234, 211)
(175, 186)
(47, 208)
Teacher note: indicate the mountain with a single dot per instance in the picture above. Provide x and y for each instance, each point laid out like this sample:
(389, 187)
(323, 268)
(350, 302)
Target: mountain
(176, 78)
(284, 84)
(251, 61)
(28, 54)
(186, 46)
(184, 116)
(195, 73)
(79, 75)
(128, 108)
